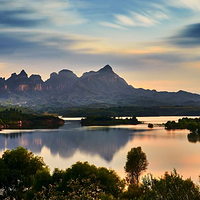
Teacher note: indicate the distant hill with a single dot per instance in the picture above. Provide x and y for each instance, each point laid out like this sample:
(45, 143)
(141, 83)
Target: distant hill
(103, 87)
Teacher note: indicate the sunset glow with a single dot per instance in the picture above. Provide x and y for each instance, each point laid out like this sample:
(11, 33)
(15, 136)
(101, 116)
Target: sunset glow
(137, 38)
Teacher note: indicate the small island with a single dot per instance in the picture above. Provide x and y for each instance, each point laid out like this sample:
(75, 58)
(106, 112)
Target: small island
(150, 125)
(192, 124)
(108, 121)
(16, 119)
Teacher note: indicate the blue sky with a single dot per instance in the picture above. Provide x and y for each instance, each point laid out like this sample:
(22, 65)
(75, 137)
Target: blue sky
(153, 44)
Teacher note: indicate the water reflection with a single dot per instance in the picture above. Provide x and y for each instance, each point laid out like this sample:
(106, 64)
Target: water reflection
(102, 141)
(108, 146)
(193, 138)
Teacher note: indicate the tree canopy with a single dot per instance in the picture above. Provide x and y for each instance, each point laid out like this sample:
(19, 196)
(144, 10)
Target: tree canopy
(170, 186)
(18, 168)
(136, 163)
(25, 176)
(192, 124)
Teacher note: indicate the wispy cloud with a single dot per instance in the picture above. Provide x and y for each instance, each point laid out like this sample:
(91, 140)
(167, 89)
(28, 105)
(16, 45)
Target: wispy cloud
(34, 27)
(188, 4)
(112, 25)
(34, 42)
(125, 20)
(23, 13)
(146, 17)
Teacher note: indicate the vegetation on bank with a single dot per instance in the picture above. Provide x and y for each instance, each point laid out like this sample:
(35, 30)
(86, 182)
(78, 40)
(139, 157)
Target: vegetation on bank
(27, 110)
(14, 118)
(108, 110)
(124, 111)
(25, 176)
(192, 124)
(105, 120)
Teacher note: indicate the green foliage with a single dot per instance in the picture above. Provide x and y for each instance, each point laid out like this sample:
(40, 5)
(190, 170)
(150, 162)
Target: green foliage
(42, 179)
(192, 124)
(134, 192)
(18, 168)
(169, 187)
(57, 175)
(25, 176)
(101, 179)
(136, 163)
(81, 181)
(14, 118)
(109, 110)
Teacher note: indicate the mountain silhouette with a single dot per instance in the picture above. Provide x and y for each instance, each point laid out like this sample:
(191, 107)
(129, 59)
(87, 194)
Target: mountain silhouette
(92, 88)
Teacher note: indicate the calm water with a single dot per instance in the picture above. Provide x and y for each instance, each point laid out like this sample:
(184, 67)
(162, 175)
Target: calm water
(108, 146)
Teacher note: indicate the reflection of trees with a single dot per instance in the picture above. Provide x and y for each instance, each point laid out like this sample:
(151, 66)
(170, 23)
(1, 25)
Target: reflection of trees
(67, 140)
(193, 137)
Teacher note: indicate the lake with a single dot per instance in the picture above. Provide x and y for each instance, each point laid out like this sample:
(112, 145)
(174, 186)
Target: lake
(108, 146)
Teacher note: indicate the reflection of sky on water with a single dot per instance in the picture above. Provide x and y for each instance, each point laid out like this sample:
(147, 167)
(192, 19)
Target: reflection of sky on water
(102, 141)
(108, 146)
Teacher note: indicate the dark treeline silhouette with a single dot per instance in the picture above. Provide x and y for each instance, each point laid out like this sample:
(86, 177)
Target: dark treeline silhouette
(108, 110)
(125, 111)
(25, 176)
(14, 118)
(105, 120)
(192, 124)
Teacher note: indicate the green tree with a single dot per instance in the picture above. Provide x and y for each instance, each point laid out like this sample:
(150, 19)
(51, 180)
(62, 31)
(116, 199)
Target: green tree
(169, 187)
(42, 179)
(192, 126)
(133, 192)
(18, 168)
(136, 163)
(93, 181)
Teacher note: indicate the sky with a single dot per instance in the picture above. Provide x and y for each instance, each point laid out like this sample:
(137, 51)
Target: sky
(152, 44)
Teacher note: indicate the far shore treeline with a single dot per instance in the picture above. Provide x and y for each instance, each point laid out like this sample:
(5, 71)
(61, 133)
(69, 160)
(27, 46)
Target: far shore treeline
(192, 124)
(106, 110)
(105, 120)
(15, 119)
(127, 111)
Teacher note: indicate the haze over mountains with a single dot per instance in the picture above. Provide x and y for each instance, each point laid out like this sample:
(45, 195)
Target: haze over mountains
(103, 87)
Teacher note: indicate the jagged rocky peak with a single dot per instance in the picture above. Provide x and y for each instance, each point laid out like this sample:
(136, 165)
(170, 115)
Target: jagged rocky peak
(23, 74)
(13, 75)
(35, 78)
(106, 69)
(86, 74)
(53, 75)
(2, 79)
(67, 73)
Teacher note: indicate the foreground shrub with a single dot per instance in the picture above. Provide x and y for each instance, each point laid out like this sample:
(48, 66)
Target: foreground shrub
(17, 170)
(170, 186)
(25, 176)
(91, 179)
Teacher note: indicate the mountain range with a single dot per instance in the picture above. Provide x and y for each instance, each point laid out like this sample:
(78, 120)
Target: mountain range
(102, 87)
